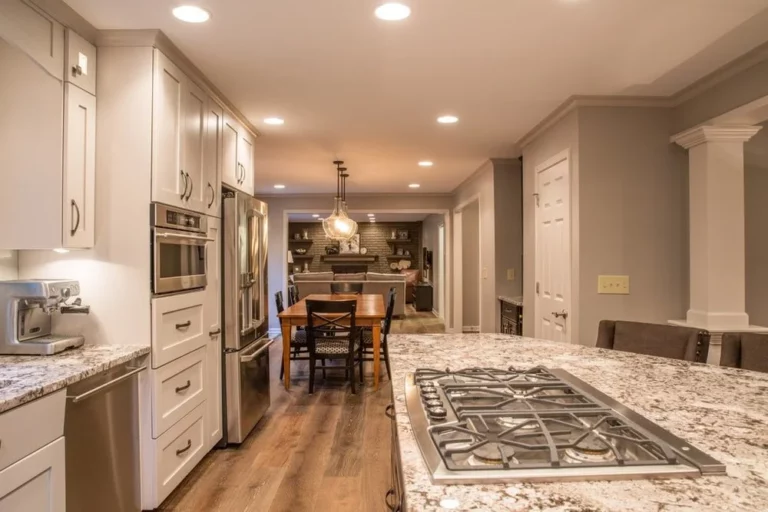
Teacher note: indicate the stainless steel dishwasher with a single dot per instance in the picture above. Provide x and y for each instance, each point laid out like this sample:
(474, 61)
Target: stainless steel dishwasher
(101, 438)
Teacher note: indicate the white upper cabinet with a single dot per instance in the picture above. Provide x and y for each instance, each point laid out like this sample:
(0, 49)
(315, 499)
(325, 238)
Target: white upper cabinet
(238, 156)
(80, 64)
(79, 168)
(35, 34)
(169, 181)
(195, 111)
(212, 152)
(245, 154)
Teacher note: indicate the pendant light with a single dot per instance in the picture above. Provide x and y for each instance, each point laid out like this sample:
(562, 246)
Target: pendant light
(338, 226)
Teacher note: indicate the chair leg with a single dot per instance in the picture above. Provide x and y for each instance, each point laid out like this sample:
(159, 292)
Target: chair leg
(282, 368)
(351, 368)
(323, 360)
(360, 361)
(311, 375)
(386, 361)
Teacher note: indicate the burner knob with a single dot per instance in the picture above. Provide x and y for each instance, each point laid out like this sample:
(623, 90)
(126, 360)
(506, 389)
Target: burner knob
(433, 403)
(426, 384)
(437, 413)
(430, 396)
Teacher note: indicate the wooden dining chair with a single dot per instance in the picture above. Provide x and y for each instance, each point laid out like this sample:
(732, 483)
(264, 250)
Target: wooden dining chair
(332, 334)
(346, 288)
(366, 348)
(298, 345)
(746, 350)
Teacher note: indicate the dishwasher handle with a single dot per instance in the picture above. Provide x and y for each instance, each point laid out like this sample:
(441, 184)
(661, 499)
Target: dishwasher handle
(105, 386)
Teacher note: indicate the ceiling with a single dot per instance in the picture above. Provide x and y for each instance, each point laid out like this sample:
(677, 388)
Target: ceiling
(361, 217)
(353, 87)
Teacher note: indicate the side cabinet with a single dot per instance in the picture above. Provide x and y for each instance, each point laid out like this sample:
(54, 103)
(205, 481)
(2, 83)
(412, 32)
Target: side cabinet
(35, 483)
(212, 315)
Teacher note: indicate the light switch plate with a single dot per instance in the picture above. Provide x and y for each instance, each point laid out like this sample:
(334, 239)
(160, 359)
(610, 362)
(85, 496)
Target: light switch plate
(485, 272)
(614, 285)
(82, 61)
(510, 274)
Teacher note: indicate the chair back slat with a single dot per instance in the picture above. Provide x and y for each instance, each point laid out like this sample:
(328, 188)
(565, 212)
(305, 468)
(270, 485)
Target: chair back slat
(331, 318)
(391, 297)
(279, 302)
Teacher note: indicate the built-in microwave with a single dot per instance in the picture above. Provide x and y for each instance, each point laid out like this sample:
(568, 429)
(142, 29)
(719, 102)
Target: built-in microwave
(178, 249)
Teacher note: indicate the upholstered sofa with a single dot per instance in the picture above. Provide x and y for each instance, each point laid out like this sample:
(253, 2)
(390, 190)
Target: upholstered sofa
(310, 283)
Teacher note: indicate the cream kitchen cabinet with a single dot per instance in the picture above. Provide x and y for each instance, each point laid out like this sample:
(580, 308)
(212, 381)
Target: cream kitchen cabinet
(212, 316)
(237, 156)
(212, 150)
(47, 135)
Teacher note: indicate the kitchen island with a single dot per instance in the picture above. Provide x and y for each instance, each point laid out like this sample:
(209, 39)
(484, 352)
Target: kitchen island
(25, 378)
(722, 411)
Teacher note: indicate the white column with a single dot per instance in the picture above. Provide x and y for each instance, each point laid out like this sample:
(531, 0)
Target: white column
(716, 202)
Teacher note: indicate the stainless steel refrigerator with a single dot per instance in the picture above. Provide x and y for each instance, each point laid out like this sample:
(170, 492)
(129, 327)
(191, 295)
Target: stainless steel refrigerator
(246, 345)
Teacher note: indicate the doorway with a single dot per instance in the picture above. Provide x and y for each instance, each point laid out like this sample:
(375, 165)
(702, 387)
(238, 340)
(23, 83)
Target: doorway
(553, 249)
(440, 268)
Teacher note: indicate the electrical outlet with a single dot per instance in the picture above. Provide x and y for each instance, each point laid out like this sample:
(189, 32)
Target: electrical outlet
(485, 272)
(614, 285)
(510, 274)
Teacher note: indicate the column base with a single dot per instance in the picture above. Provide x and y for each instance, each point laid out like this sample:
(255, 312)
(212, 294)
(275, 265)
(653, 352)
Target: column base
(716, 338)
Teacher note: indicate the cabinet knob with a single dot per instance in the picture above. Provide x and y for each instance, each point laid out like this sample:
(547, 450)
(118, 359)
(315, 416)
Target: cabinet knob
(77, 70)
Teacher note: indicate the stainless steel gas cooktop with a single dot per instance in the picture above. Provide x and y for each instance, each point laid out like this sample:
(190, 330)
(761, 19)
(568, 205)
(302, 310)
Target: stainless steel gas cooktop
(489, 425)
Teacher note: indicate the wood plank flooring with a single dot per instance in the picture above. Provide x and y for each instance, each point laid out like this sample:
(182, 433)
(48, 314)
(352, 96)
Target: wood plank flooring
(327, 451)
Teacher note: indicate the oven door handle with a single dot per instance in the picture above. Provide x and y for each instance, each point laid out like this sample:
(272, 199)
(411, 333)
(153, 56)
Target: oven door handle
(185, 237)
(251, 357)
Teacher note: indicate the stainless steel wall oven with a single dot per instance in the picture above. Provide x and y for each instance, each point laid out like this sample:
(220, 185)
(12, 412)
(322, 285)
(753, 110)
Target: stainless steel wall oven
(178, 244)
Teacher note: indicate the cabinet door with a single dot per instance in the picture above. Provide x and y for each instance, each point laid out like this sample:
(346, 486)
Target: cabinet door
(194, 112)
(212, 317)
(230, 166)
(169, 183)
(79, 168)
(37, 35)
(36, 482)
(212, 155)
(245, 154)
(80, 65)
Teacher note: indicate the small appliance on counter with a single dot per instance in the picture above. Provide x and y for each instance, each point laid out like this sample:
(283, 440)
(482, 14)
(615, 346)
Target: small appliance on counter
(26, 310)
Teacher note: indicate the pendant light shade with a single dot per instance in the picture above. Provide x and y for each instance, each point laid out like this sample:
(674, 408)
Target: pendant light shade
(338, 226)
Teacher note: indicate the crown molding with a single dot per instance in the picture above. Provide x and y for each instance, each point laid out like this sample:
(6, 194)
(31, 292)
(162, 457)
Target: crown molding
(157, 39)
(575, 102)
(708, 133)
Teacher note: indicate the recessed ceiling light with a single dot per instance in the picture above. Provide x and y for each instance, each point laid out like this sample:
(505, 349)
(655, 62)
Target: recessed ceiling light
(274, 120)
(426, 163)
(414, 185)
(447, 119)
(279, 186)
(371, 214)
(191, 14)
(392, 11)
(315, 215)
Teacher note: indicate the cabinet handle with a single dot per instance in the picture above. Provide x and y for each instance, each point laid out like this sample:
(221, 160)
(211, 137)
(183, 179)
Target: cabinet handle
(213, 195)
(191, 187)
(77, 70)
(185, 449)
(239, 172)
(214, 333)
(184, 177)
(184, 387)
(390, 411)
(390, 494)
(184, 325)
(77, 222)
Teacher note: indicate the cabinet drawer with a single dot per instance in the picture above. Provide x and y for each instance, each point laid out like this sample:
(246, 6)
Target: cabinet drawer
(178, 451)
(177, 388)
(80, 64)
(177, 326)
(31, 426)
(35, 483)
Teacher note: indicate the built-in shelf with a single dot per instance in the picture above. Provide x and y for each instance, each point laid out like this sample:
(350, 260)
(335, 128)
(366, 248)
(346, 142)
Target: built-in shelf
(396, 257)
(302, 257)
(300, 241)
(399, 241)
(349, 258)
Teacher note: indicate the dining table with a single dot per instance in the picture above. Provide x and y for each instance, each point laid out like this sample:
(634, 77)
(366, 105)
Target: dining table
(370, 312)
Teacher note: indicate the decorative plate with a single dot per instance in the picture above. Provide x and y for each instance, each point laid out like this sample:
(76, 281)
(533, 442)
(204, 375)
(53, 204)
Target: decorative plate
(394, 266)
(364, 250)
(301, 251)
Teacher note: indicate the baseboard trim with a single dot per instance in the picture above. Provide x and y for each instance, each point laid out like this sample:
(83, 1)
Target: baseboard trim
(471, 329)
(274, 333)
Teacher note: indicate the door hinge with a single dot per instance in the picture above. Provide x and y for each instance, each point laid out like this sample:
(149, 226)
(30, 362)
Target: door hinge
(536, 198)
(537, 287)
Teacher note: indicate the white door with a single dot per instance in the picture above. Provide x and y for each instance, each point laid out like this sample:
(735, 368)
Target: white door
(195, 112)
(36, 482)
(458, 279)
(169, 182)
(212, 156)
(214, 349)
(553, 250)
(245, 154)
(231, 172)
(79, 167)
(440, 265)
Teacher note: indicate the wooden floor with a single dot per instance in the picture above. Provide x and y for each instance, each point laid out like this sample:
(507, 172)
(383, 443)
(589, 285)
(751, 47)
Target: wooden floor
(328, 451)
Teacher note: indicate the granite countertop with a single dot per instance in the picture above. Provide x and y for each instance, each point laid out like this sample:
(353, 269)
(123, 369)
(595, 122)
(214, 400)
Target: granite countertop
(517, 301)
(24, 378)
(722, 411)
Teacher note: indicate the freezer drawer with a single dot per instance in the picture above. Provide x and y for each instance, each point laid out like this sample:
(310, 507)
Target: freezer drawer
(247, 377)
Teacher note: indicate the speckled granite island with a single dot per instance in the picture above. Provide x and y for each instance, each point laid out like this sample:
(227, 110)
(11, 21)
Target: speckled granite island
(722, 411)
(24, 378)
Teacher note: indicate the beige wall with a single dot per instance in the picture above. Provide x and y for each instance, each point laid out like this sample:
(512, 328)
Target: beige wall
(470, 265)
(9, 266)
(633, 192)
(430, 240)
(508, 198)
(279, 205)
(756, 218)
(562, 136)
